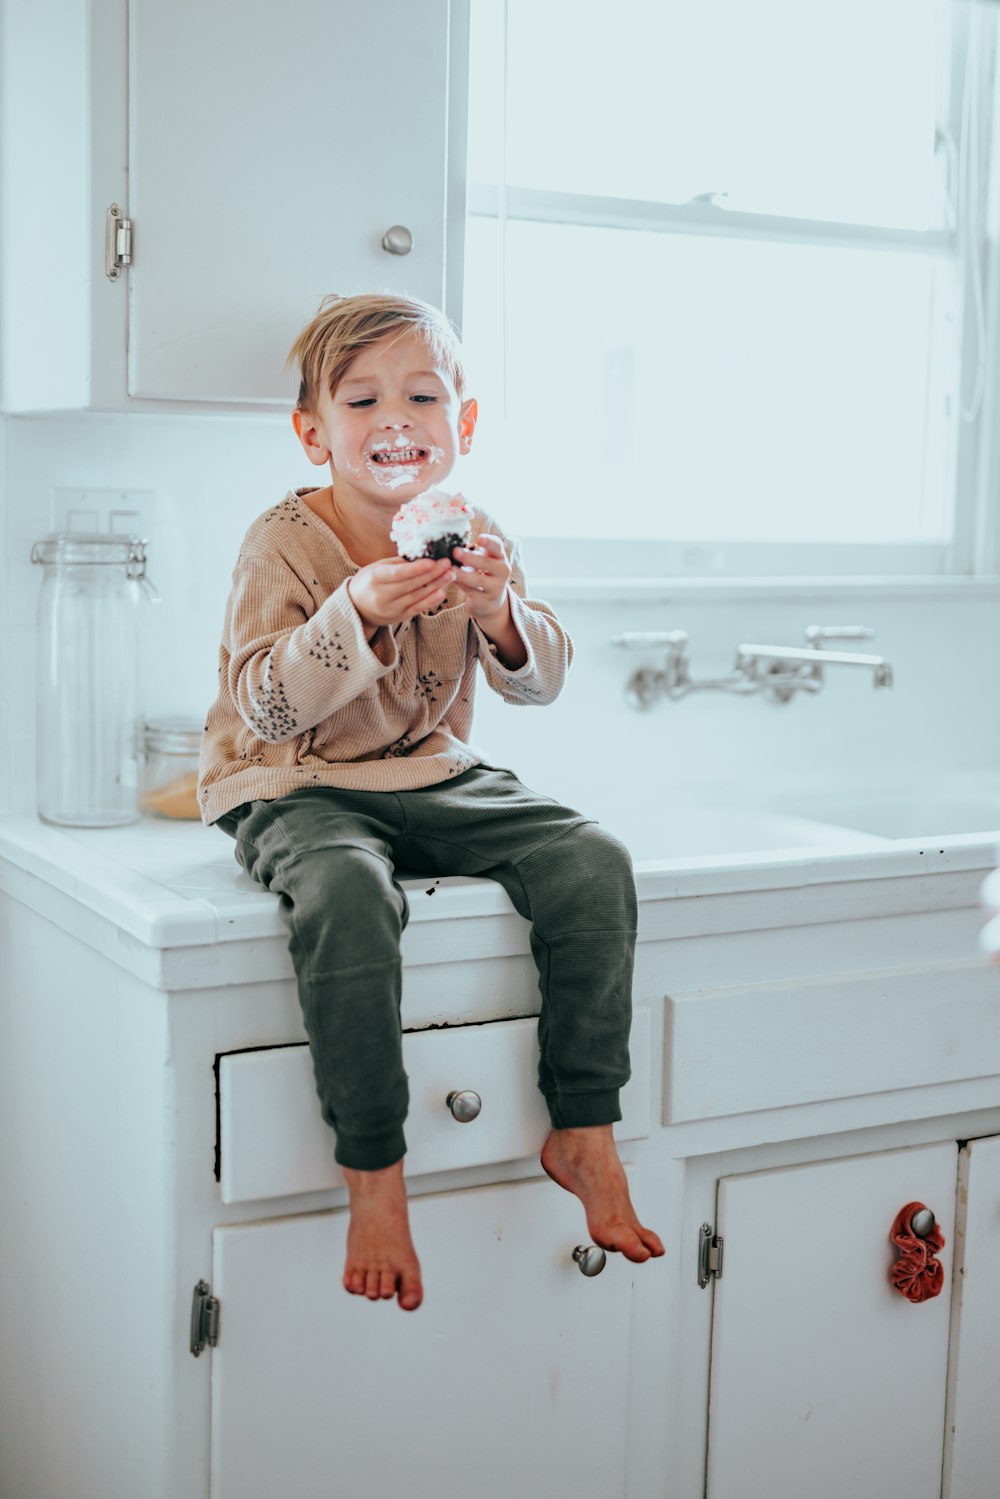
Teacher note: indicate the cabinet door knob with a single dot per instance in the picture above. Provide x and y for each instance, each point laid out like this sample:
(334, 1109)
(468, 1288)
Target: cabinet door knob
(590, 1259)
(397, 240)
(464, 1105)
(923, 1222)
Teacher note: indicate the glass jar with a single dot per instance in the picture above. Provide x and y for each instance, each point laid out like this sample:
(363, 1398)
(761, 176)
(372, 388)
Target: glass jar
(170, 771)
(89, 715)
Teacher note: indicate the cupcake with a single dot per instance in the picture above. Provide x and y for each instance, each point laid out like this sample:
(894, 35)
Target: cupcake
(431, 525)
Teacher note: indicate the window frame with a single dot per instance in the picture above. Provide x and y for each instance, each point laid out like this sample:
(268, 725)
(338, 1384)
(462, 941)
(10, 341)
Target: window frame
(974, 548)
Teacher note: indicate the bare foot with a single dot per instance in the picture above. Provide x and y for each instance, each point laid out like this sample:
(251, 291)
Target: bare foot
(585, 1162)
(381, 1260)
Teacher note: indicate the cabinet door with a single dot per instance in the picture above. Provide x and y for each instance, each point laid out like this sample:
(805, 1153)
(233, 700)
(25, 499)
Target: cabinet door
(972, 1431)
(270, 148)
(511, 1379)
(824, 1380)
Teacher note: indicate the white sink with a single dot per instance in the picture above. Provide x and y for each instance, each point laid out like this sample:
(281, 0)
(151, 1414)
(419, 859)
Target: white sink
(909, 814)
(662, 831)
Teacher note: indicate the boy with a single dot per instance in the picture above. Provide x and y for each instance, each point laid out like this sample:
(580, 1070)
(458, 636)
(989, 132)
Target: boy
(338, 747)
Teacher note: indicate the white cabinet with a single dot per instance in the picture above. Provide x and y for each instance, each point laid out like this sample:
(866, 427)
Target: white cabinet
(159, 1128)
(824, 1380)
(511, 1379)
(260, 154)
(516, 1371)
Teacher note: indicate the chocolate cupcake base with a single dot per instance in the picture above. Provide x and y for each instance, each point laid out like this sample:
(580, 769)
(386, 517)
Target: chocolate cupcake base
(441, 546)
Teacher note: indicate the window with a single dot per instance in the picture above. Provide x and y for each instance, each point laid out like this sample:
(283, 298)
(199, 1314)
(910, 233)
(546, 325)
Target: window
(724, 291)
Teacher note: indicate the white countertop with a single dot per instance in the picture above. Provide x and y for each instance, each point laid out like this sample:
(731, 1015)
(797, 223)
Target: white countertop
(176, 884)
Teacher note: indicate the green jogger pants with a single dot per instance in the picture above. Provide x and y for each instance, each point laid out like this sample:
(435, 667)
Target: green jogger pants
(332, 856)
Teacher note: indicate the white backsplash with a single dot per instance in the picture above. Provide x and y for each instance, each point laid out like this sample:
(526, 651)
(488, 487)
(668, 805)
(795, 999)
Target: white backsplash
(210, 475)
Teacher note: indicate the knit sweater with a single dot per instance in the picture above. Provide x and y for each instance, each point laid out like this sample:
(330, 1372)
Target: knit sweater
(305, 699)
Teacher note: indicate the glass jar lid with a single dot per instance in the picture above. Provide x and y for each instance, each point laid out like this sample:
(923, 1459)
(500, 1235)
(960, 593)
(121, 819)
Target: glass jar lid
(173, 734)
(88, 547)
(96, 548)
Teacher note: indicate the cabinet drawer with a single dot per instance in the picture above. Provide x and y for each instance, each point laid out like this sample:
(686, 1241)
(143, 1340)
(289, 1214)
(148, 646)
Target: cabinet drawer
(273, 1141)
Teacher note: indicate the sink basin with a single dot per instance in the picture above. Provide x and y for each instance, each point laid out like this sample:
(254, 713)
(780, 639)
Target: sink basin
(700, 832)
(917, 814)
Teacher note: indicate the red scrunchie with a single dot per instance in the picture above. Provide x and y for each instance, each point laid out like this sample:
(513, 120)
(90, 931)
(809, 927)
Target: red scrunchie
(917, 1275)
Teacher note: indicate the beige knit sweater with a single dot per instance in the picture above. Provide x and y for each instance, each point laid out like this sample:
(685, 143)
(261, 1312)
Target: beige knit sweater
(305, 700)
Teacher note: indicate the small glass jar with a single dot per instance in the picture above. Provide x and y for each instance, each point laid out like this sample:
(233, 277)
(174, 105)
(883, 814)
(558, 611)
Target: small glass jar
(170, 768)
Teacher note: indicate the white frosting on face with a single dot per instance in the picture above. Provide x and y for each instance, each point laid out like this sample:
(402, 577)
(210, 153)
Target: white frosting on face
(388, 475)
(392, 475)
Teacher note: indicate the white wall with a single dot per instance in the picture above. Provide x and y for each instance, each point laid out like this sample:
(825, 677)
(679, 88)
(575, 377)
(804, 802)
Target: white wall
(13, 700)
(941, 718)
(211, 475)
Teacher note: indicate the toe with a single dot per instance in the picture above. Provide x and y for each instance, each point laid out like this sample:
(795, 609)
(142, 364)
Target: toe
(354, 1281)
(411, 1292)
(372, 1280)
(622, 1238)
(387, 1285)
(635, 1250)
(652, 1241)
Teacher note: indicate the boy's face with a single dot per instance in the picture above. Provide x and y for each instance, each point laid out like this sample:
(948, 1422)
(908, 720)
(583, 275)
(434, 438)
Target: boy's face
(393, 428)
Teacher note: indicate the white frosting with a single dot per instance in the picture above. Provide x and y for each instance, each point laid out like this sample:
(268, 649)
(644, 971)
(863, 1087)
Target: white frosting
(427, 518)
(389, 475)
(392, 475)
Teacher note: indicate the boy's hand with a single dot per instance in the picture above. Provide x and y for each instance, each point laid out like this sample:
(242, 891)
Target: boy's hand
(485, 573)
(483, 579)
(389, 591)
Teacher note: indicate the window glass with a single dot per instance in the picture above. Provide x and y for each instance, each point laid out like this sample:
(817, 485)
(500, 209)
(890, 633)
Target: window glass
(816, 111)
(657, 385)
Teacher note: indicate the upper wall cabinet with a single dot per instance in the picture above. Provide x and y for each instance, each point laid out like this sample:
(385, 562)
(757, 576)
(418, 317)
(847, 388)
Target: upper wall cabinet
(260, 155)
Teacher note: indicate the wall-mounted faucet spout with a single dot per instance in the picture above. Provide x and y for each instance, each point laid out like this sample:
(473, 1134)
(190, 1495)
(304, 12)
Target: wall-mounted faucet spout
(779, 671)
(808, 663)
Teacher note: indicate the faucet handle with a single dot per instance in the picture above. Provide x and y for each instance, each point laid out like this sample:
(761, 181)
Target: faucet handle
(817, 634)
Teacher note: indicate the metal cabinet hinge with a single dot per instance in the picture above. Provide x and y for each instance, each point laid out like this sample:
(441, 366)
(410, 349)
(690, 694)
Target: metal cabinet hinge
(117, 242)
(204, 1318)
(710, 1248)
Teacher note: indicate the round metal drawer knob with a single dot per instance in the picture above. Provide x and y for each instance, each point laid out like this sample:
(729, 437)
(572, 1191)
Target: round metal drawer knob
(590, 1258)
(464, 1105)
(397, 240)
(923, 1222)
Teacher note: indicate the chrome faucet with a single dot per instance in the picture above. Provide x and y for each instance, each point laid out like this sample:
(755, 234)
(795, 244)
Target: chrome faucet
(778, 670)
(673, 679)
(785, 669)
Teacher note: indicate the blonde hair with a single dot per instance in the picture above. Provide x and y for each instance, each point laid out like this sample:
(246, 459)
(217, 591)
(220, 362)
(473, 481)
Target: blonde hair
(344, 326)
